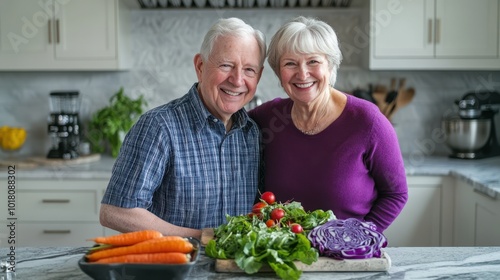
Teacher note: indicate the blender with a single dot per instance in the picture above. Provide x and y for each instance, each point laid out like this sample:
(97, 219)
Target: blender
(63, 124)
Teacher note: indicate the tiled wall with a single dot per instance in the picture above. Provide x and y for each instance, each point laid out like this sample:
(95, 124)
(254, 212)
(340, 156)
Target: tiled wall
(164, 43)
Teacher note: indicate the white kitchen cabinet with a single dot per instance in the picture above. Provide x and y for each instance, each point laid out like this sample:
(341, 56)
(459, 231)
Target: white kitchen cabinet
(477, 217)
(53, 212)
(426, 219)
(63, 35)
(57, 234)
(434, 35)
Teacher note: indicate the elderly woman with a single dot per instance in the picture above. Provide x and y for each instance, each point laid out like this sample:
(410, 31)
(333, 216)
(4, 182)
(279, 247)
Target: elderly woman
(322, 147)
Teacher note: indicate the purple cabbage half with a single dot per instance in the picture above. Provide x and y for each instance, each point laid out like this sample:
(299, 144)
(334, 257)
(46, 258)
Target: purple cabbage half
(348, 239)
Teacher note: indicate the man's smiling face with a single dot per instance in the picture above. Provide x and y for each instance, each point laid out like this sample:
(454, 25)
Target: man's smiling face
(228, 80)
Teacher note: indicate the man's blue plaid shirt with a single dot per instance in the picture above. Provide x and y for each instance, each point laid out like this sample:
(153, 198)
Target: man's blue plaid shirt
(179, 163)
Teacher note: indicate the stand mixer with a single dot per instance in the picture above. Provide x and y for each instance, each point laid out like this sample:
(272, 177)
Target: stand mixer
(64, 127)
(473, 133)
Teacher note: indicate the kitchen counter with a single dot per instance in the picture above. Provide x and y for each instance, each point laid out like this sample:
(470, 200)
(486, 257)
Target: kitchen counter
(483, 174)
(100, 169)
(407, 263)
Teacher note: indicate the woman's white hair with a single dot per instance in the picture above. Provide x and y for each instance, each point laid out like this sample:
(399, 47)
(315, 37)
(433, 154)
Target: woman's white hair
(232, 27)
(305, 36)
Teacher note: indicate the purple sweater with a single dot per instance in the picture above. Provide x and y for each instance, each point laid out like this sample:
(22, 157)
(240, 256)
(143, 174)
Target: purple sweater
(354, 167)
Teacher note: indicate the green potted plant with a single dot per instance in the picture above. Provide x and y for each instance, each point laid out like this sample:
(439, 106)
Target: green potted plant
(108, 126)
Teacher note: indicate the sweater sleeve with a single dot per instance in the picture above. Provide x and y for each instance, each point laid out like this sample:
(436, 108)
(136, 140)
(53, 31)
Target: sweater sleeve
(385, 162)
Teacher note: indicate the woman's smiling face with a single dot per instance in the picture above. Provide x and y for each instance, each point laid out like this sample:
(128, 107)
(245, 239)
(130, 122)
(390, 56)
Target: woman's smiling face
(304, 76)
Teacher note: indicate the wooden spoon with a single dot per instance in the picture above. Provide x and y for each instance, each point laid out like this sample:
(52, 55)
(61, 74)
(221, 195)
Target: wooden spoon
(379, 94)
(379, 98)
(406, 97)
(395, 96)
(403, 99)
(391, 97)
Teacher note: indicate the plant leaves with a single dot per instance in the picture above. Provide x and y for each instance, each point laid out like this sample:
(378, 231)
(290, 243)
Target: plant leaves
(108, 123)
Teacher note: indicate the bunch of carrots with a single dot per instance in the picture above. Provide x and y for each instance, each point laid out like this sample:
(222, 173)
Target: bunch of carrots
(147, 246)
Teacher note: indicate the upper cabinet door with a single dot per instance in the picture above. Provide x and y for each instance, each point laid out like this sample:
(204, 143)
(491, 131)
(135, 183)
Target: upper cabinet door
(403, 28)
(63, 35)
(434, 35)
(25, 31)
(466, 28)
(86, 29)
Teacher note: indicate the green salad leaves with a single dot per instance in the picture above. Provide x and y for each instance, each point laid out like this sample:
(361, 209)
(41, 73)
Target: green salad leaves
(251, 243)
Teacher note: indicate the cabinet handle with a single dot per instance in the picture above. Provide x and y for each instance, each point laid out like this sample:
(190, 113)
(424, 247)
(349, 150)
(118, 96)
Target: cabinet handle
(429, 31)
(55, 200)
(50, 31)
(56, 231)
(57, 31)
(438, 30)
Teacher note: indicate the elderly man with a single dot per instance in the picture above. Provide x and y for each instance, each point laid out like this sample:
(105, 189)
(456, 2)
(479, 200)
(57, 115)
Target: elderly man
(186, 164)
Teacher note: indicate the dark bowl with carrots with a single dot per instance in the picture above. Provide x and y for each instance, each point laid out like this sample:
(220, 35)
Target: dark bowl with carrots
(140, 255)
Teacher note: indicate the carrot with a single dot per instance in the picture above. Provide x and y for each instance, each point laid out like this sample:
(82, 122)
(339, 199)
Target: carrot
(164, 244)
(100, 247)
(163, 238)
(129, 238)
(170, 258)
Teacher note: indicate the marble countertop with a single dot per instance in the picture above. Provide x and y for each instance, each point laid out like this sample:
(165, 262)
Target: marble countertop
(407, 263)
(100, 169)
(482, 174)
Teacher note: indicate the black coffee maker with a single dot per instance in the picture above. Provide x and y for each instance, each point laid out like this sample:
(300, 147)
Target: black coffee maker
(482, 105)
(64, 124)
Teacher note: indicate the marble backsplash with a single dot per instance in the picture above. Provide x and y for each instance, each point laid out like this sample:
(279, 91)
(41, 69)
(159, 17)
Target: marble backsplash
(164, 43)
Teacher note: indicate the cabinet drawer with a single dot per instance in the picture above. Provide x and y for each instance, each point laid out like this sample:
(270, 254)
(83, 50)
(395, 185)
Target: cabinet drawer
(56, 234)
(56, 205)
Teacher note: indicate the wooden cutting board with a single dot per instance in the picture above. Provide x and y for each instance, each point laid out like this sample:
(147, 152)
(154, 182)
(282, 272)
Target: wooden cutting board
(323, 264)
(21, 163)
(60, 161)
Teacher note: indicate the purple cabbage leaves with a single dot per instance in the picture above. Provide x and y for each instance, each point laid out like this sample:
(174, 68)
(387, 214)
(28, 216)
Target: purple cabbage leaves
(348, 239)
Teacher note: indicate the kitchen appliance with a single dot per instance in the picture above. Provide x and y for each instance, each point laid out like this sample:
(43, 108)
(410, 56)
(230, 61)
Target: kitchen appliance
(472, 134)
(64, 124)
